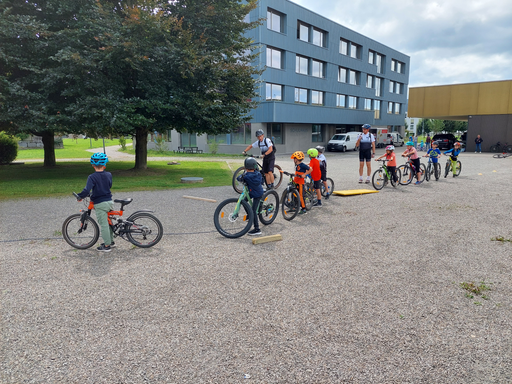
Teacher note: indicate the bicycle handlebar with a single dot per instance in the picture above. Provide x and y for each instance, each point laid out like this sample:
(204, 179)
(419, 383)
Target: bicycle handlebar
(255, 156)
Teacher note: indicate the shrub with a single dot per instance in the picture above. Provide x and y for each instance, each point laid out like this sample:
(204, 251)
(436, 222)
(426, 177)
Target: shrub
(122, 142)
(213, 146)
(8, 148)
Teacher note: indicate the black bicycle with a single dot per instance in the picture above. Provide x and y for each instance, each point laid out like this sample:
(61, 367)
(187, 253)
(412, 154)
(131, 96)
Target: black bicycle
(503, 148)
(238, 186)
(290, 199)
(141, 228)
(382, 175)
(408, 171)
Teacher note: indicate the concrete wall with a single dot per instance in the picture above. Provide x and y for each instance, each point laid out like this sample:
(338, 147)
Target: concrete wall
(492, 128)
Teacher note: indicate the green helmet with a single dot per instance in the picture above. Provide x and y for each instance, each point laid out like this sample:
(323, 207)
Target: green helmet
(312, 152)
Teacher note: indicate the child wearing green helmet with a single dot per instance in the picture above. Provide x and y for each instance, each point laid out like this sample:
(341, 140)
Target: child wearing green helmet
(316, 174)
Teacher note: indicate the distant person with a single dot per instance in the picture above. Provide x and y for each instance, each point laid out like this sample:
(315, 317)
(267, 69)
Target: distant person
(428, 140)
(366, 144)
(478, 144)
(415, 141)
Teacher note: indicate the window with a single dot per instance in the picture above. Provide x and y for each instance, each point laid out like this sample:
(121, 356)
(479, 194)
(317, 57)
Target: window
(340, 101)
(275, 131)
(274, 20)
(301, 95)
(353, 77)
(352, 102)
(397, 108)
(188, 139)
(399, 88)
(343, 47)
(368, 104)
(376, 108)
(274, 91)
(319, 37)
(302, 65)
(378, 62)
(342, 75)
(391, 86)
(317, 98)
(317, 133)
(371, 57)
(317, 68)
(393, 63)
(390, 107)
(355, 51)
(274, 58)
(369, 81)
(378, 86)
(397, 66)
(303, 32)
(242, 135)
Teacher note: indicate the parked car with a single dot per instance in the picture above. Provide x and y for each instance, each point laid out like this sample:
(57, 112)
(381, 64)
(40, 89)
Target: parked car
(343, 142)
(445, 140)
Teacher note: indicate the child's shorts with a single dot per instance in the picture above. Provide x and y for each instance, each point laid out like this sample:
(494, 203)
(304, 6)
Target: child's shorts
(324, 175)
(316, 184)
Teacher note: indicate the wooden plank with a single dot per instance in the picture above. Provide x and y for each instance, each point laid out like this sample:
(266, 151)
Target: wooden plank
(267, 239)
(199, 198)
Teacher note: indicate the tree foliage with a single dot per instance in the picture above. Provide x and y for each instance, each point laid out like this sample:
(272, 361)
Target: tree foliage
(125, 67)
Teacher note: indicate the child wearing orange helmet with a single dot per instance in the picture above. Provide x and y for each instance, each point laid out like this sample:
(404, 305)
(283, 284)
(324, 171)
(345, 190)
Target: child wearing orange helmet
(301, 170)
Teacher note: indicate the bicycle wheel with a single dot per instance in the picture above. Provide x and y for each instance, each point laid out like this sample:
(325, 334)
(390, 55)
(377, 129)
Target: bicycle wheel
(458, 168)
(430, 170)
(278, 177)
(447, 168)
(494, 148)
(238, 186)
(405, 175)
(330, 187)
(231, 224)
(508, 149)
(269, 207)
(397, 175)
(310, 198)
(290, 203)
(437, 171)
(145, 231)
(423, 172)
(499, 156)
(80, 236)
(379, 179)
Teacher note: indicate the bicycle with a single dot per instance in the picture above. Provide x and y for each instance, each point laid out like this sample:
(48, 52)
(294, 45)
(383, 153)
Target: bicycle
(382, 175)
(448, 167)
(141, 228)
(290, 199)
(433, 169)
(408, 171)
(238, 185)
(234, 217)
(330, 187)
(498, 147)
(502, 155)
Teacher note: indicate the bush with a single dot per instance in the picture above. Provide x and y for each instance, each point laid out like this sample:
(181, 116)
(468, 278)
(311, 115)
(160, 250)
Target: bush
(8, 148)
(122, 142)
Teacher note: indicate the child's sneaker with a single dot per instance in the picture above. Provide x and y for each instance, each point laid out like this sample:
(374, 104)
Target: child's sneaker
(318, 204)
(327, 196)
(104, 248)
(112, 244)
(254, 232)
(418, 183)
(303, 211)
(360, 180)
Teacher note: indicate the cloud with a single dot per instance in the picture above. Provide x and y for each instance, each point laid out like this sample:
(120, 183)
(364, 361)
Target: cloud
(449, 41)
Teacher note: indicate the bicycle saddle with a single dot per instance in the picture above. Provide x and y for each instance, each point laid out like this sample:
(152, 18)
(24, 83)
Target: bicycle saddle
(123, 201)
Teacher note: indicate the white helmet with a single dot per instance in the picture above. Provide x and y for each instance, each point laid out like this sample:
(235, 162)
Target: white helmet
(390, 148)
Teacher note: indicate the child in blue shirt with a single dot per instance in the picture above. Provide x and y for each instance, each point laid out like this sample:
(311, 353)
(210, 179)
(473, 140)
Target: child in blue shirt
(252, 177)
(454, 152)
(98, 185)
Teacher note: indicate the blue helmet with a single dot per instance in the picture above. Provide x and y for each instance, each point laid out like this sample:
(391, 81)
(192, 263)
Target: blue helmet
(99, 159)
(409, 143)
(367, 126)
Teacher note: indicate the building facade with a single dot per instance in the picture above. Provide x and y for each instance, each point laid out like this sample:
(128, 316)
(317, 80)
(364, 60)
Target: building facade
(319, 78)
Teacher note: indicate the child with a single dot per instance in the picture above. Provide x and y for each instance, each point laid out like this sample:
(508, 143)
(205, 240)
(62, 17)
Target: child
(421, 145)
(301, 170)
(252, 177)
(391, 158)
(413, 154)
(434, 153)
(455, 151)
(323, 169)
(100, 183)
(316, 174)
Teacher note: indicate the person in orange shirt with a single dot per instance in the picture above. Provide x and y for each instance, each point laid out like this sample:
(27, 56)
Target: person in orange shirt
(316, 174)
(391, 158)
(301, 170)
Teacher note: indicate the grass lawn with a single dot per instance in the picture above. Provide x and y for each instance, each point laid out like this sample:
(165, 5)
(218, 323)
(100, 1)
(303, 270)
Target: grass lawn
(34, 180)
(73, 149)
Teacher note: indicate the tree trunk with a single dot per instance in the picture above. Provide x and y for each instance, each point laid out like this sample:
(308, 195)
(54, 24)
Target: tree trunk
(141, 148)
(49, 148)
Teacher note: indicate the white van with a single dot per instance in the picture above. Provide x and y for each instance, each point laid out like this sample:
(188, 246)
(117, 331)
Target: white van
(343, 142)
(395, 138)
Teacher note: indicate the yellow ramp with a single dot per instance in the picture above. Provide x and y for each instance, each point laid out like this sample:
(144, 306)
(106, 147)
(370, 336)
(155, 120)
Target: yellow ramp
(351, 192)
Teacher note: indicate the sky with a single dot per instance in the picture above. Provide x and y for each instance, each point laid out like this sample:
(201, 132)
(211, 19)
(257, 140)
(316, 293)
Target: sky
(449, 41)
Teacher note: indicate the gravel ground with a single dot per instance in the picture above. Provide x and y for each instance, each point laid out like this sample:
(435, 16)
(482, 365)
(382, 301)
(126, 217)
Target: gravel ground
(363, 290)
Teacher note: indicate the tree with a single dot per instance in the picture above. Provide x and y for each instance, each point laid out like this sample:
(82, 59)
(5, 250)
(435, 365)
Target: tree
(437, 125)
(425, 126)
(132, 67)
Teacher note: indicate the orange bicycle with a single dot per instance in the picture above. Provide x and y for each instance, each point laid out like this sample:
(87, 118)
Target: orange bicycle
(141, 228)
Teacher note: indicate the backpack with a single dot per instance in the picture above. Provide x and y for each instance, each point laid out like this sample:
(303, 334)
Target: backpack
(274, 149)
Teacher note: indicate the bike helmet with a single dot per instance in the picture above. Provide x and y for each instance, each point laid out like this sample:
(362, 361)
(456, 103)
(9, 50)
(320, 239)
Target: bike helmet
(312, 152)
(299, 155)
(250, 163)
(410, 143)
(259, 133)
(99, 159)
(367, 126)
(435, 143)
(457, 143)
(320, 149)
(390, 148)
